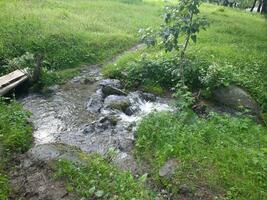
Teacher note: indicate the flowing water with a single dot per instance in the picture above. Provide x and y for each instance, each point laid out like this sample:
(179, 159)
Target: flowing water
(62, 117)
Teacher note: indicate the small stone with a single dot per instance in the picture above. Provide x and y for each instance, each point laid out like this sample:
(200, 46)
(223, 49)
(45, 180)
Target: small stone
(149, 96)
(168, 168)
(111, 82)
(88, 80)
(89, 129)
(113, 119)
(129, 111)
(184, 190)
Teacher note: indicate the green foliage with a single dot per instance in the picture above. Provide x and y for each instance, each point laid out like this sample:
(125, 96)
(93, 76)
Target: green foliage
(215, 76)
(228, 52)
(183, 95)
(15, 137)
(151, 73)
(226, 154)
(180, 21)
(15, 131)
(22, 62)
(100, 179)
(4, 187)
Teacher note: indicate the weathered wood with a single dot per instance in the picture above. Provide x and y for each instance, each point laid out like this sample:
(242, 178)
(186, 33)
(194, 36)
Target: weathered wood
(11, 80)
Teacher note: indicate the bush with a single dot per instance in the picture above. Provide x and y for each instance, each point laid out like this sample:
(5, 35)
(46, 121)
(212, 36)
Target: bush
(21, 62)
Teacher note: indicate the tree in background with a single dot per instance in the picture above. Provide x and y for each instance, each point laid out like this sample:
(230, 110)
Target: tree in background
(264, 7)
(253, 5)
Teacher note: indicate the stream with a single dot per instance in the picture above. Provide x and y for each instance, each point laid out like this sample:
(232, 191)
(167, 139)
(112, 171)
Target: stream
(82, 114)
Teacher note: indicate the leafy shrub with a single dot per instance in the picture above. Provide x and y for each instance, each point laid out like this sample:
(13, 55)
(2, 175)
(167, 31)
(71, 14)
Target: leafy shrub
(157, 70)
(215, 76)
(21, 62)
(224, 153)
(48, 78)
(100, 179)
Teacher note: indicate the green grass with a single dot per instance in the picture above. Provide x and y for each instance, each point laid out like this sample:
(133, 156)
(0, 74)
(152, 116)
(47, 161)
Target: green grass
(71, 32)
(98, 179)
(15, 137)
(226, 155)
(235, 42)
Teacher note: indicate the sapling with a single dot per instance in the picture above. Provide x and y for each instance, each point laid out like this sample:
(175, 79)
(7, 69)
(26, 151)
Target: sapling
(181, 23)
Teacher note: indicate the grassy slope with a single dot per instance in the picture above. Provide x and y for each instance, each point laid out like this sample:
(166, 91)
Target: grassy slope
(235, 38)
(15, 137)
(224, 155)
(71, 32)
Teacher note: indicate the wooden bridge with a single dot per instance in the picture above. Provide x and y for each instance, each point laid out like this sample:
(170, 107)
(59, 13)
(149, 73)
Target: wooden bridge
(12, 80)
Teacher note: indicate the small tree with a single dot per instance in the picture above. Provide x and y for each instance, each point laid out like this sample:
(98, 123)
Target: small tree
(181, 23)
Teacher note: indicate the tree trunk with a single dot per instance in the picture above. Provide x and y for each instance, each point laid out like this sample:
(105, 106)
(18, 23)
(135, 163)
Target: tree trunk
(253, 6)
(225, 3)
(264, 7)
(37, 69)
(259, 7)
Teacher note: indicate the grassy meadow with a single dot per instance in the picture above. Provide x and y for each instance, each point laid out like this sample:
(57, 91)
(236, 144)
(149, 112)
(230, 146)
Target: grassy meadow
(70, 33)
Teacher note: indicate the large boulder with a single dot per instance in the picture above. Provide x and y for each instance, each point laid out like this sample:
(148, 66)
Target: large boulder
(117, 102)
(49, 152)
(235, 97)
(111, 82)
(110, 90)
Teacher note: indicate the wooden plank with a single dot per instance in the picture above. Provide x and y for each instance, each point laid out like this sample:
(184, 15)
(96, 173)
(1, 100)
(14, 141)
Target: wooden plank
(12, 85)
(11, 77)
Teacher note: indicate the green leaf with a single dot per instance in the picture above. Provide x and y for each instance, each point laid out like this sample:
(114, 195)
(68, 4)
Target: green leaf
(194, 38)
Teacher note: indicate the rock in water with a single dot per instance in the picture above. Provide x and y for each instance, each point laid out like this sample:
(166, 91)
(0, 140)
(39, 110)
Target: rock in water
(111, 82)
(168, 168)
(95, 103)
(149, 96)
(117, 102)
(110, 90)
(236, 98)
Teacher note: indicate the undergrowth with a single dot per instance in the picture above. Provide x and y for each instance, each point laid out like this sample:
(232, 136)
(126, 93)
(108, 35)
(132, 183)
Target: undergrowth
(98, 179)
(15, 137)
